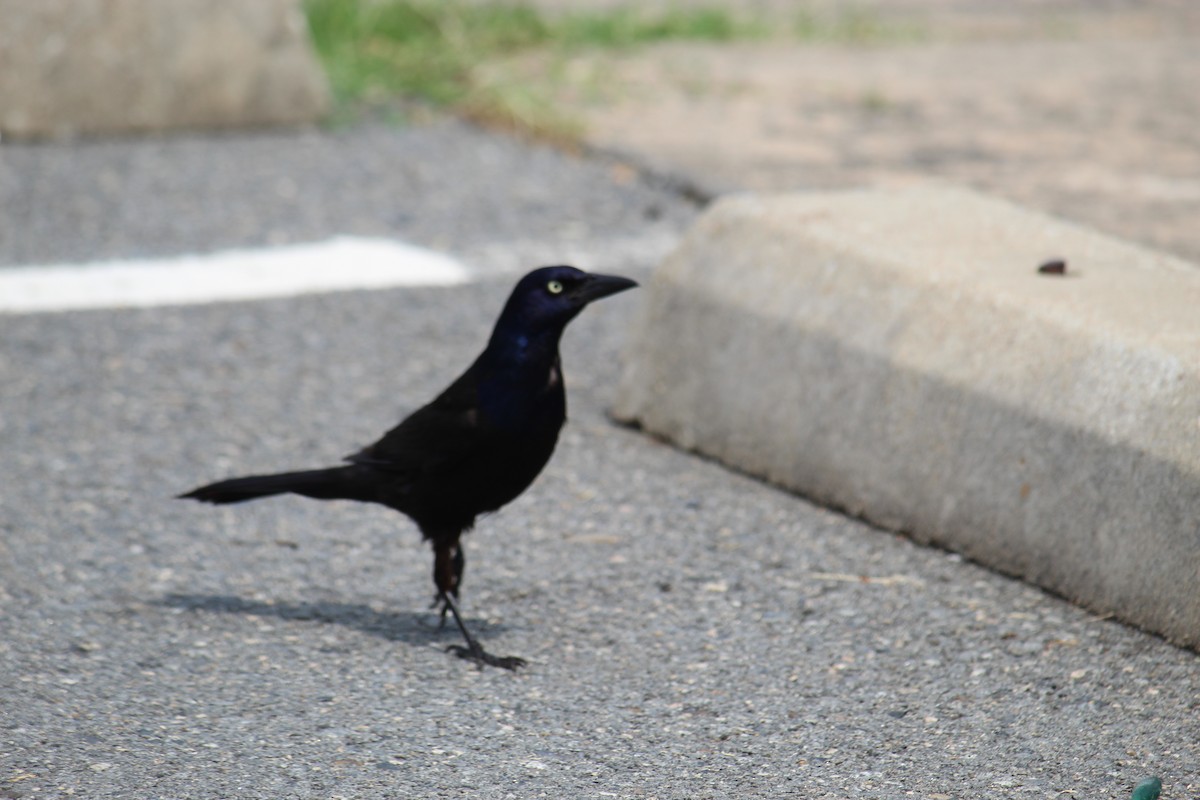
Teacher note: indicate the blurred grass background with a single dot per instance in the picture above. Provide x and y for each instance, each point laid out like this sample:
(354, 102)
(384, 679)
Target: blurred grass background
(499, 62)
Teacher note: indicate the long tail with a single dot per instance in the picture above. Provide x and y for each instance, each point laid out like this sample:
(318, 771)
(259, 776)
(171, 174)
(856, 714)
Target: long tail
(335, 483)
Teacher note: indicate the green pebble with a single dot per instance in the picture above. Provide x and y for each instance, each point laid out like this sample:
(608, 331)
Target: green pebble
(1148, 789)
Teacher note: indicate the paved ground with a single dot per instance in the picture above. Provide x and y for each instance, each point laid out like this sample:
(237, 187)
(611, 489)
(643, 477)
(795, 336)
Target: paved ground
(152, 197)
(691, 633)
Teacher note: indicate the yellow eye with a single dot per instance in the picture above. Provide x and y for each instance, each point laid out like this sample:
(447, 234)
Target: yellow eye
(554, 287)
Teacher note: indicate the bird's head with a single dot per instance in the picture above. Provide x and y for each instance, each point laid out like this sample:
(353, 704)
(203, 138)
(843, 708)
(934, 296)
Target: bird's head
(548, 298)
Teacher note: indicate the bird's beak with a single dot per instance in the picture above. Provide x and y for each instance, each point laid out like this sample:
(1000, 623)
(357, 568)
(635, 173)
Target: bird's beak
(596, 286)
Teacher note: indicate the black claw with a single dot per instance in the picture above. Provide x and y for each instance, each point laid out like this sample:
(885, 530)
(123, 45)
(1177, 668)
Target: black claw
(481, 657)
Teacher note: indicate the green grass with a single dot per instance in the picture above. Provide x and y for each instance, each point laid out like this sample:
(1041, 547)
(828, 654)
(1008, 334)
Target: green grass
(425, 49)
(436, 50)
(452, 52)
(624, 27)
(849, 25)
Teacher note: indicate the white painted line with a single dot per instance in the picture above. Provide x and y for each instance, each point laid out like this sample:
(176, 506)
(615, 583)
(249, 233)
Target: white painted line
(338, 264)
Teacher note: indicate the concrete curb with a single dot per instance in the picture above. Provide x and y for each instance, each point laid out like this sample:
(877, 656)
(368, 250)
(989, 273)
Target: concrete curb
(109, 66)
(897, 354)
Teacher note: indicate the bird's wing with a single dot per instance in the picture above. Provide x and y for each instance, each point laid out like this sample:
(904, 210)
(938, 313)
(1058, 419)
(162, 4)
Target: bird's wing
(433, 437)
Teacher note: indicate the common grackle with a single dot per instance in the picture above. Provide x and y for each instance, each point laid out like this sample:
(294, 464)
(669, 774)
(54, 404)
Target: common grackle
(478, 445)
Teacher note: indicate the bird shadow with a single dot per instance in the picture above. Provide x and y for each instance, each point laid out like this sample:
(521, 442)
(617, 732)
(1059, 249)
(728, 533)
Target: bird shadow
(410, 627)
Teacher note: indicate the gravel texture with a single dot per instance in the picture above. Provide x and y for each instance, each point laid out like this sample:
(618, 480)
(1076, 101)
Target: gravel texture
(692, 633)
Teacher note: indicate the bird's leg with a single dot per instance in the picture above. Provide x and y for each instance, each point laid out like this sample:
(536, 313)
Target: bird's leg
(448, 564)
(474, 650)
(441, 607)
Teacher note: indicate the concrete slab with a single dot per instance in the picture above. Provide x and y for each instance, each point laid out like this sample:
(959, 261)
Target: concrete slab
(897, 354)
(106, 66)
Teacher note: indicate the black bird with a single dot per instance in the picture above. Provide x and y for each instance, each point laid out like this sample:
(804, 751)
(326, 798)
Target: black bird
(478, 445)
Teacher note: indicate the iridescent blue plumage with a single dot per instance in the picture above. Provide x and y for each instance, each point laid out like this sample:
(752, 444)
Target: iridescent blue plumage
(475, 447)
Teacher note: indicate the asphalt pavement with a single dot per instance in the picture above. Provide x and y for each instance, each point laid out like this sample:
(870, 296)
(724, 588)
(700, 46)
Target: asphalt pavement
(691, 632)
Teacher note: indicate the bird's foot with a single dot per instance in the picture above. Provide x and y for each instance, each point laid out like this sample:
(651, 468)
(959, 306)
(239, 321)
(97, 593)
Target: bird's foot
(473, 651)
